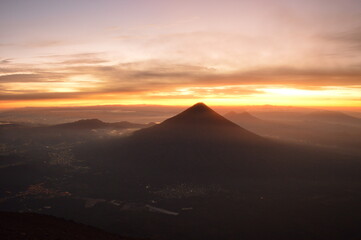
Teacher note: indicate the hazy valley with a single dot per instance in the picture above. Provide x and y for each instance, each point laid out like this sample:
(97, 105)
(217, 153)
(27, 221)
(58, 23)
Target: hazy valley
(196, 175)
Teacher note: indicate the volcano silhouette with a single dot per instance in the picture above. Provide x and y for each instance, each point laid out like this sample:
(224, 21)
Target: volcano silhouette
(200, 114)
(201, 124)
(199, 145)
(242, 117)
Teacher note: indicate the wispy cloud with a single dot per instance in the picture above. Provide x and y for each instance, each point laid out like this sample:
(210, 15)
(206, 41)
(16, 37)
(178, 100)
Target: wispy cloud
(6, 61)
(157, 80)
(347, 43)
(35, 44)
(39, 96)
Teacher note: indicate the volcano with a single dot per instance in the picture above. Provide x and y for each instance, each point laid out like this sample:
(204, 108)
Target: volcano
(201, 124)
(242, 117)
(199, 145)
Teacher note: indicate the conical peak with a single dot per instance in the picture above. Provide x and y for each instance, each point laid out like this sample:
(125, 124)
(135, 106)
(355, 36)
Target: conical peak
(199, 121)
(245, 113)
(243, 116)
(199, 107)
(199, 104)
(199, 114)
(231, 114)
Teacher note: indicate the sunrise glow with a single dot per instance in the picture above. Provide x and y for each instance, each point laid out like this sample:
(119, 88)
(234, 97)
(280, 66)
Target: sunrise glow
(177, 53)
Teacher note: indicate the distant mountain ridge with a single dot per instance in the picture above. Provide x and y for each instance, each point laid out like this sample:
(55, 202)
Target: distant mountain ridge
(257, 125)
(243, 116)
(332, 117)
(20, 226)
(96, 124)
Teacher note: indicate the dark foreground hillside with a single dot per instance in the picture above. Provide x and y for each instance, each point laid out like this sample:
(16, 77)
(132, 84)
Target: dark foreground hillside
(32, 226)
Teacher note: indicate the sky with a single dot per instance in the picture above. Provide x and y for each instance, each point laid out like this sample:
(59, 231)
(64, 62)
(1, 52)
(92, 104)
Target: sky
(172, 52)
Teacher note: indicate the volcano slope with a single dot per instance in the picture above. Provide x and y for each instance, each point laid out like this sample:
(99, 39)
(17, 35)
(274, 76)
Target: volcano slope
(200, 146)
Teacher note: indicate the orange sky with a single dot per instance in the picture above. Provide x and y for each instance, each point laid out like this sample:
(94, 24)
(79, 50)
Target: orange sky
(278, 52)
